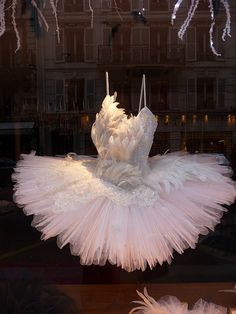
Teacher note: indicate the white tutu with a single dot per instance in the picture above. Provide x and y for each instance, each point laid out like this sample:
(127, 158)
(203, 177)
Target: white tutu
(123, 206)
(171, 305)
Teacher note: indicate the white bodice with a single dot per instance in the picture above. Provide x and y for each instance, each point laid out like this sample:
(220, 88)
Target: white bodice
(123, 139)
(148, 124)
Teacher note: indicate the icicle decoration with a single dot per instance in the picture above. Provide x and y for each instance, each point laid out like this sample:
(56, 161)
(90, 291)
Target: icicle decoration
(2, 17)
(193, 6)
(211, 30)
(91, 10)
(117, 10)
(34, 4)
(54, 10)
(227, 27)
(13, 16)
(13, 7)
(176, 8)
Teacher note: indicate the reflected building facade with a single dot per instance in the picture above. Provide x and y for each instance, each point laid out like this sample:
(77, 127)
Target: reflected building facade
(191, 91)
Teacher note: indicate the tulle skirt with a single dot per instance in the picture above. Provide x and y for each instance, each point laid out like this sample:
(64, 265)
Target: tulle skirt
(120, 215)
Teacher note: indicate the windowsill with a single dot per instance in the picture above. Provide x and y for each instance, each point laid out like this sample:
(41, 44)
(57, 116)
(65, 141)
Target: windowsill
(115, 299)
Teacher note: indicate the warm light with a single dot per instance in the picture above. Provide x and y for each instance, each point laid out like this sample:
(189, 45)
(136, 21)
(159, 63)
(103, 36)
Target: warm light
(84, 120)
(194, 119)
(166, 119)
(183, 145)
(206, 118)
(183, 118)
(231, 119)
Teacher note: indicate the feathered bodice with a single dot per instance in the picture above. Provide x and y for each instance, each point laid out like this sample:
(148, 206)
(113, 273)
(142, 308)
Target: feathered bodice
(119, 138)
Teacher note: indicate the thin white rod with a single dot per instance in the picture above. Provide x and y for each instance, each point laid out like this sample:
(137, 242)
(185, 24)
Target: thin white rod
(107, 84)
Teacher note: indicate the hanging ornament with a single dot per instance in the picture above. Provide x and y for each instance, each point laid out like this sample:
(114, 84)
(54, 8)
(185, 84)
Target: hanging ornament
(214, 6)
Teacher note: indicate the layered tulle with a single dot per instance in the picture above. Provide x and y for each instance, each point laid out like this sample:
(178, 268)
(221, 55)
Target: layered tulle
(126, 218)
(172, 305)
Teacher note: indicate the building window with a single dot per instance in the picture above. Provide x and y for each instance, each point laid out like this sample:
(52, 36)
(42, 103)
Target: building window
(204, 52)
(140, 5)
(158, 44)
(74, 40)
(122, 5)
(206, 93)
(191, 94)
(221, 93)
(203, 5)
(90, 95)
(74, 94)
(121, 45)
(191, 44)
(54, 95)
(159, 5)
(88, 45)
(140, 45)
(73, 6)
(106, 5)
(8, 57)
(59, 47)
(159, 95)
(60, 95)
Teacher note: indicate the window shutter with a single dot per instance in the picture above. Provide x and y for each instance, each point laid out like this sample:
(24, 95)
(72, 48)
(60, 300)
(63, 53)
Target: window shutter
(191, 44)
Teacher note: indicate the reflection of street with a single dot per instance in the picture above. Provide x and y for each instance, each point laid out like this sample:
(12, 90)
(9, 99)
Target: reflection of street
(22, 249)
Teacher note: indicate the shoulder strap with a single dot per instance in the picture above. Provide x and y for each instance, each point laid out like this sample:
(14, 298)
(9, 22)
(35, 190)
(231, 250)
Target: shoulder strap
(107, 84)
(143, 94)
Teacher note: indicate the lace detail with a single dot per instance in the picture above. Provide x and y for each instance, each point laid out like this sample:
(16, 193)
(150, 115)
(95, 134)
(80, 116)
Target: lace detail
(140, 195)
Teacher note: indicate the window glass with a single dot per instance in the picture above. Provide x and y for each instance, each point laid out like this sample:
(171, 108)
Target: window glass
(51, 89)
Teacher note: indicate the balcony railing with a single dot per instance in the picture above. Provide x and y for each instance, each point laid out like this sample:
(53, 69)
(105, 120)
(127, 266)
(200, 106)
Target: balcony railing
(141, 55)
